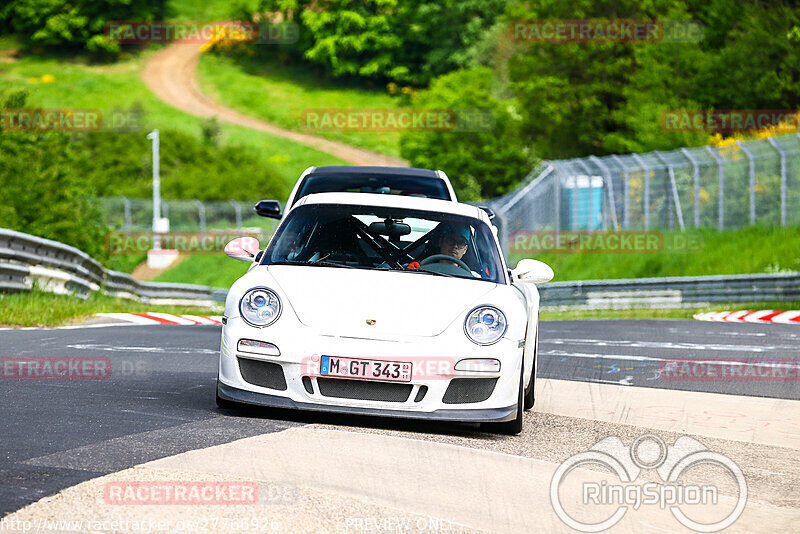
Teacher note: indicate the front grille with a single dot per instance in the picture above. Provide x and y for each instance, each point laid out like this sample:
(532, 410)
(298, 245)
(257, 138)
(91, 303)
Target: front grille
(364, 390)
(264, 374)
(421, 393)
(467, 390)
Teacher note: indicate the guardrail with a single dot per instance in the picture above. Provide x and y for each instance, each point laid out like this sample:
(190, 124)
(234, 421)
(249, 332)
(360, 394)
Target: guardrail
(670, 292)
(58, 268)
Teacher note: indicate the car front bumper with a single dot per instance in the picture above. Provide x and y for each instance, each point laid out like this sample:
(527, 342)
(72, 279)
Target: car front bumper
(301, 348)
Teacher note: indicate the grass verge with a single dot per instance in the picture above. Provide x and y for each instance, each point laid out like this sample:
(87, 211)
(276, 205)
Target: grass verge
(39, 308)
(749, 250)
(118, 86)
(215, 270)
(279, 94)
(663, 313)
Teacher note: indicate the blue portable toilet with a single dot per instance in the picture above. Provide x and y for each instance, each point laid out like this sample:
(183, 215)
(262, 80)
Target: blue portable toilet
(582, 202)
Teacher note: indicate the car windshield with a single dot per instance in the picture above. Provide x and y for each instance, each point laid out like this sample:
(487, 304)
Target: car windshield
(416, 186)
(386, 238)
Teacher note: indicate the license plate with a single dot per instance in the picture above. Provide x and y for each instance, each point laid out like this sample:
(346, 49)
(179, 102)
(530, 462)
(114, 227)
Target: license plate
(366, 369)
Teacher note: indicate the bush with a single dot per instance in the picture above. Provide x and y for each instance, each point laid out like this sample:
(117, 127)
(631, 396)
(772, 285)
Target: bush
(481, 164)
(76, 25)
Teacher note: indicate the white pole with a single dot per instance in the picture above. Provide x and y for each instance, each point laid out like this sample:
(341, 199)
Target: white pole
(156, 187)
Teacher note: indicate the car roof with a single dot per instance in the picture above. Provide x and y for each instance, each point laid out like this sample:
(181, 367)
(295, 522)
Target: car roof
(399, 201)
(399, 171)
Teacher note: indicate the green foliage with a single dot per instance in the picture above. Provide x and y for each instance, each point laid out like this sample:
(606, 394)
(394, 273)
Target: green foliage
(408, 41)
(483, 162)
(597, 98)
(42, 194)
(74, 25)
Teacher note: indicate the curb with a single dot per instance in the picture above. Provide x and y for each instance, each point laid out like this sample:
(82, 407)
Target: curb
(153, 318)
(748, 316)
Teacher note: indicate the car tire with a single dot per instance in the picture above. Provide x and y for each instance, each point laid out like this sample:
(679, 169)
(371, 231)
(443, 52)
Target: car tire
(513, 427)
(529, 398)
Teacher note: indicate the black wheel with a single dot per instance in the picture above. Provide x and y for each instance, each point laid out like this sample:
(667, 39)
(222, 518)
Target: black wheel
(529, 400)
(513, 427)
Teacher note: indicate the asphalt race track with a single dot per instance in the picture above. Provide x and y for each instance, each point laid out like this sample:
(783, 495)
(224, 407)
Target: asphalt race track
(159, 399)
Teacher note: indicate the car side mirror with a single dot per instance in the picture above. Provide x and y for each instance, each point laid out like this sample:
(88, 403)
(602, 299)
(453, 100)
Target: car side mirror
(243, 248)
(269, 208)
(533, 271)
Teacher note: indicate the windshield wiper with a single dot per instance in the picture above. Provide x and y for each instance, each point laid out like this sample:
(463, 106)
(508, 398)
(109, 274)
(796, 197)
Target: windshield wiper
(420, 270)
(321, 263)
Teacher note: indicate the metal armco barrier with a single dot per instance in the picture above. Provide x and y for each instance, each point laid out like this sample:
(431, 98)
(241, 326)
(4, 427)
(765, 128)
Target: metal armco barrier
(63, 269)
(670, 292)
(60, 268)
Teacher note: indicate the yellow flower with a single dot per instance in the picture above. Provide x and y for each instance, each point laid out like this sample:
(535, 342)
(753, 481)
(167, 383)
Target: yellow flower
(48, 78)
(33, 80)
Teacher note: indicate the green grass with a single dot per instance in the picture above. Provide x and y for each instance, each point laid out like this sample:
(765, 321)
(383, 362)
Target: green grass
(46, 309)
(279, 93)
(215, 270)
(117, 86)
(663, 313)
(191, 10)
(750, 250)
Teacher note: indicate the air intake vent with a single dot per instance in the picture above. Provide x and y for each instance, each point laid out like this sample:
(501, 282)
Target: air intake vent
(307, 385)
(467, 390)
(264, 374)
(421, 393)
(364, 390)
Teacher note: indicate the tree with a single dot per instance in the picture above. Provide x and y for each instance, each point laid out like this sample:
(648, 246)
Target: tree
(482, 158)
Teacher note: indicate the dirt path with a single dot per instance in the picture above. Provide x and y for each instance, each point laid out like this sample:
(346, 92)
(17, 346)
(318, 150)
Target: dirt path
(170, 74)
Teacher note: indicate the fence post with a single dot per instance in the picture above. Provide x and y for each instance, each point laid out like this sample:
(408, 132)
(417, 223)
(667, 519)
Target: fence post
(696, 169)
(675, 198)
(782, 152)
(626, 221)
(752, 180)
(721, 171)
(646, 171)
(238, 209)
(612, 201)
(127, 211)
(201, 212)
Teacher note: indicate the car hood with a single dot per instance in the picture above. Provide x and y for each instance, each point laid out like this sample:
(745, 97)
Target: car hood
(343, 302)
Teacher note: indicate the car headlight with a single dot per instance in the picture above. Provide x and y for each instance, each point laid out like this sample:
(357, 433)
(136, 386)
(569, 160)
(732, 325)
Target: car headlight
(260, 307)
(485, 325)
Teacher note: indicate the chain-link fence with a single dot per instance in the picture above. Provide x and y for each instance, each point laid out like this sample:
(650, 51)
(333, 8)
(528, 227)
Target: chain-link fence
(746, 183)
(136, 214)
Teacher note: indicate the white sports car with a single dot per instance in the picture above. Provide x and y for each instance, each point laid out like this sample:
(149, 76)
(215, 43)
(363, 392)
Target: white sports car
(383, 305)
